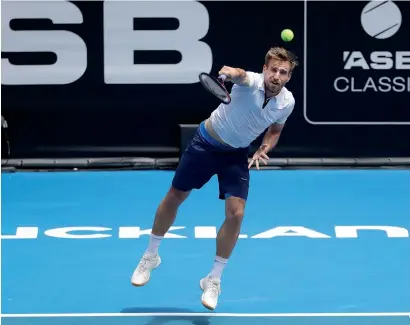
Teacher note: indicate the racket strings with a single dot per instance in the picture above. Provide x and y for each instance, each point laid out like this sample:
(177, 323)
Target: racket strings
(215, 87)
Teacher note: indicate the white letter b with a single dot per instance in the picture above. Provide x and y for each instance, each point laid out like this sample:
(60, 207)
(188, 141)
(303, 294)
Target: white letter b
(121, 40)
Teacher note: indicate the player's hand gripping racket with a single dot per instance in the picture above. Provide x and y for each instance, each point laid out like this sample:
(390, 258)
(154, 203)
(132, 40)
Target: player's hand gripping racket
(215, 86)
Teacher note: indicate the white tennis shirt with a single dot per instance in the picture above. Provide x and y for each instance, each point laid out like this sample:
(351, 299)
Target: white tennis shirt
(243, 119)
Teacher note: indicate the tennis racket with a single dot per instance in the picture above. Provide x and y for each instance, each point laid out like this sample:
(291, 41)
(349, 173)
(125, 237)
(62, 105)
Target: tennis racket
(215, 86)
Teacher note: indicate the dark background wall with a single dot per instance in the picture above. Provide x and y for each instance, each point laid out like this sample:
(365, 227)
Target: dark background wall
(96, 116)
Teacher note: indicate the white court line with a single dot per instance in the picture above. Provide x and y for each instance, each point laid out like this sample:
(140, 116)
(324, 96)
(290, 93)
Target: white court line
(207, 315)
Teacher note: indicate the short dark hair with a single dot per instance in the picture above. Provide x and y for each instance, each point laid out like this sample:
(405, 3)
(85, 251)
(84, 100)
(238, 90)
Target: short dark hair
(280, 53)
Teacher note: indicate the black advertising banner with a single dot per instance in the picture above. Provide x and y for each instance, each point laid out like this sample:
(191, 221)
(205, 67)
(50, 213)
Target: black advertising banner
(116, 78)
(127, 71)
(367, 60)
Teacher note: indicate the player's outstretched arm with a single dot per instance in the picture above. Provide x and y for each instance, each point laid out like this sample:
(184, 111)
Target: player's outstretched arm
(271, 138)
(236, 75)
(269, 142)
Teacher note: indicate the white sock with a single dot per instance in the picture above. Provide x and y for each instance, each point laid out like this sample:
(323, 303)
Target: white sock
(154, 242)
(217, 269)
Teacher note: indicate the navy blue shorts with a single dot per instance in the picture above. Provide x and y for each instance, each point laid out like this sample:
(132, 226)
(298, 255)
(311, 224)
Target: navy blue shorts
(205, 157)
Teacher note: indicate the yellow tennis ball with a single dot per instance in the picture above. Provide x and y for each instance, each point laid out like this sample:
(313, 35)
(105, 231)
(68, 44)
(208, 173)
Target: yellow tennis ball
(287, 35)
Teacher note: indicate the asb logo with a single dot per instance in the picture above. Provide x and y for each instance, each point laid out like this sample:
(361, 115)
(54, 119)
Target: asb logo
(367, 62)
(124, 40)
(381, 19)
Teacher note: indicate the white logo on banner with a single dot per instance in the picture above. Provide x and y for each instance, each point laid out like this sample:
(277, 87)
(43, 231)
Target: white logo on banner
(380, 20)
(120, 42)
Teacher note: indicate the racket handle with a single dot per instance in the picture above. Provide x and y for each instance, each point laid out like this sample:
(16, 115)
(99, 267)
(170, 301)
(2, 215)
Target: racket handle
(222, 77)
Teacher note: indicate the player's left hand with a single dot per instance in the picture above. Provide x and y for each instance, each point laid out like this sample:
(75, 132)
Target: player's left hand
(260, 155)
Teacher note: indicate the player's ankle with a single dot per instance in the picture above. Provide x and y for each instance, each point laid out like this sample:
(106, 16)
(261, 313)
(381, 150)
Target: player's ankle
(218, 267)
(154, 243)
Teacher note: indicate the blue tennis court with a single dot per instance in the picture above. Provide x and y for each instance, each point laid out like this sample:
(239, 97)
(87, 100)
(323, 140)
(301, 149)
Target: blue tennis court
(317, 247)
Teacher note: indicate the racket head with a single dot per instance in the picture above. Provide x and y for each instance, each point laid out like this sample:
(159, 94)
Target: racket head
(215, 87)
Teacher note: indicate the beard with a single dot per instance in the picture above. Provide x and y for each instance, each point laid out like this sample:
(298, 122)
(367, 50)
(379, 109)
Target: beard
(273, 88)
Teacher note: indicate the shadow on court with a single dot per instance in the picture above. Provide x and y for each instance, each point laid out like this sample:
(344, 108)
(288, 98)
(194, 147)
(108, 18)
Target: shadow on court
(160, 320)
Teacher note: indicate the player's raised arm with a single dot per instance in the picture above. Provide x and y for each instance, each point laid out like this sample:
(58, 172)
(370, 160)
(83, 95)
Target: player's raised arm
(236, 75)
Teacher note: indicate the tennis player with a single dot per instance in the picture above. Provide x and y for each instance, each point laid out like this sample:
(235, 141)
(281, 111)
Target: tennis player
(260, 101)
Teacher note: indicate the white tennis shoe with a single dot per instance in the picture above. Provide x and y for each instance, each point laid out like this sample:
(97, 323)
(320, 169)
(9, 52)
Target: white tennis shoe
(142, 272)
(211, 290)
(211, 287)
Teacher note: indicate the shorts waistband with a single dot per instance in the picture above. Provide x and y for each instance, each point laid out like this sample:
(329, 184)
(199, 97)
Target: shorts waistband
(210, 139)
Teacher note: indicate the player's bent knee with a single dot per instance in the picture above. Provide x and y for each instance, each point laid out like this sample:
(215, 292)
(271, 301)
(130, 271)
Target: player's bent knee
(235, 210)
(235, 215)
(176, 197)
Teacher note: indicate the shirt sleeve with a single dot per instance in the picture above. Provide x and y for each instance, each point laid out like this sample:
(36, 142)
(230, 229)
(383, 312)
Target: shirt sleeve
(254, 79)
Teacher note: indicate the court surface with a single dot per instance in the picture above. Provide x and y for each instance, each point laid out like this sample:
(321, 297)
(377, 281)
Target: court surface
(299, 260)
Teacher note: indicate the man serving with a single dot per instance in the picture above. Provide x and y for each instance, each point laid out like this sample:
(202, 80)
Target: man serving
(220, 147)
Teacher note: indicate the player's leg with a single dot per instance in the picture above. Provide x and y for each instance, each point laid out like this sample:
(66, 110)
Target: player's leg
(229, 232)
(196, 167)
(165, 216)
(225, 242)
(233, 186)
(198, 164)
(166, 213)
